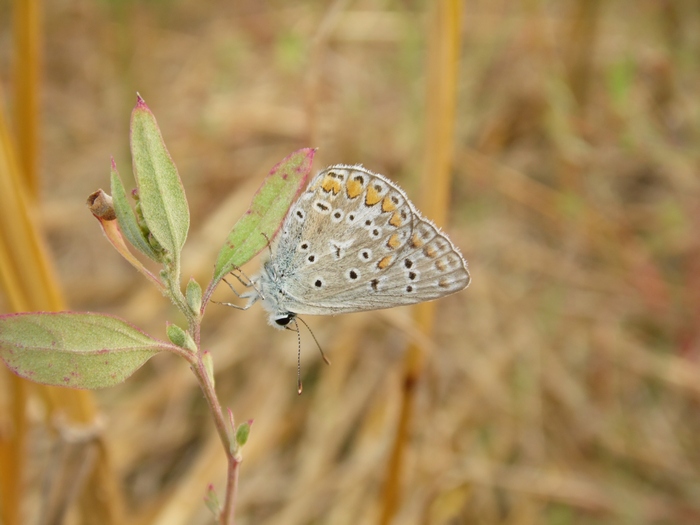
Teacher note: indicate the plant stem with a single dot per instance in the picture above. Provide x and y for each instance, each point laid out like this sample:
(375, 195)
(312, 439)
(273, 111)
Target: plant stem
(205, 382)
(227, 514)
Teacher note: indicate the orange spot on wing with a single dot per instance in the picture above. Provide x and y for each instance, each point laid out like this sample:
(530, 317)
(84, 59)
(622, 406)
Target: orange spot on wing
(330, 184)
(372, 196)
(430, 252)
(440, 265)
(353, 188)
(396, 220)
(385, 262)
(394, 241)
(416, 241)
(387, 205)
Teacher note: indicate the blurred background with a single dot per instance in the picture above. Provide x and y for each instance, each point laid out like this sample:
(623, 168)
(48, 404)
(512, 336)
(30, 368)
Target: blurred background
(562, 387)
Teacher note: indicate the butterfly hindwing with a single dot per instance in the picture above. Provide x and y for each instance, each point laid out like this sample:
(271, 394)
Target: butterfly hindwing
(353, 242)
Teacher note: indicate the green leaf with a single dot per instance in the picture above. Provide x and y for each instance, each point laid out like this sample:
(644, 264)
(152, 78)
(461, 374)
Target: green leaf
(194, 296)
(74, 349)
(242, 433)
(209, 366)
(263, 219)
(181, 338)
(127, 218)
(161, 194)
(212, 502)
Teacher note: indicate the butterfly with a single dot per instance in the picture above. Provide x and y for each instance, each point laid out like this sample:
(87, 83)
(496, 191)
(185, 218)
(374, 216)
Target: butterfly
(354, 242)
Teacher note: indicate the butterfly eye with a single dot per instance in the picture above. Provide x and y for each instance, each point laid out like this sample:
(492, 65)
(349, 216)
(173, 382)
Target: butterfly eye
(285, 320)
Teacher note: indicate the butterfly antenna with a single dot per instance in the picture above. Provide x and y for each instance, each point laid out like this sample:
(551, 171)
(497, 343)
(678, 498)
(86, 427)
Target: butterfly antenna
(325, 359)
(299, 385)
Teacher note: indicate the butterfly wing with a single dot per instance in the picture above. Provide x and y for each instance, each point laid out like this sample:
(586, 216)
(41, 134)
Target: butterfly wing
(354, 242)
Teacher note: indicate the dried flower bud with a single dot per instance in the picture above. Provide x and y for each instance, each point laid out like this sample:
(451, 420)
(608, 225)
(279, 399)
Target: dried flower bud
(101, 206)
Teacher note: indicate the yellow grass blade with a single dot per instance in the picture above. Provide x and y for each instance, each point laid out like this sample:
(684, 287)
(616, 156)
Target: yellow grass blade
(443, 56)
(28, 279)
(27, 22)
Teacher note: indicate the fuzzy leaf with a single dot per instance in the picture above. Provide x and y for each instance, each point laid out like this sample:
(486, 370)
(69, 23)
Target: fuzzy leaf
(194, 296)
(161, 193)
(266, 213)
(74, 349)
(127, 217)
(100, 205)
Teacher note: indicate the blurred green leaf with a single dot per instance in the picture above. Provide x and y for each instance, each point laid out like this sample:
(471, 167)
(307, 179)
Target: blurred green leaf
(290, 51)
(212, 502)
(620, 80)
(161, 194)
(74, 349)
(242, 433)
(570, 205)
(267, 211)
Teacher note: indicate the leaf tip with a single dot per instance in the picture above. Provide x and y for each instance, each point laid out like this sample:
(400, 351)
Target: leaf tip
(310, 152)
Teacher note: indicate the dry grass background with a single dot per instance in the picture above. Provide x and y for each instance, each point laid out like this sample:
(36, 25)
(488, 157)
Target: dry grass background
(561, 388)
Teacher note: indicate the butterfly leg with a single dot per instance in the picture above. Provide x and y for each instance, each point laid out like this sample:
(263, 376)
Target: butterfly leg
(247, 282)
(252, 296)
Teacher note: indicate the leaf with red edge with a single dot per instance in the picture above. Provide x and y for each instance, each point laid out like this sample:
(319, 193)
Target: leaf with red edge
(161, 193)
(268, 209)
(74, 349)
